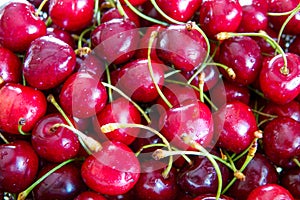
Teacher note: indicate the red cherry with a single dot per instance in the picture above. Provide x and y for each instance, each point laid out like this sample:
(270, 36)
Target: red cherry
(62, 35)
(134, 2)
(44, 68)
(71, 15)
(212, 197)
(19, 26)
(18, 166)
(270, 191)
(290, 179)
(28, 104)
(279, 87)
(113, 170)
(89, 195)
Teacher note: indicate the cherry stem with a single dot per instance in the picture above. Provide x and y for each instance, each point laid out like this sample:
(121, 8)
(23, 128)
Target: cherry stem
(129, 99)
(1, 80)
(25, 193)
(80, 39)
(112, 3)
(21, 123)
(231, 162)
(201, 86)
(113, 126)
(97, 12)
(39, 9)
(143, 16)
(150, 44)
(171, 73)
(264, 114)
(3, 138)
(121, 10)
(226, 35)
(188, 140)
(296, 161)
(110, 96)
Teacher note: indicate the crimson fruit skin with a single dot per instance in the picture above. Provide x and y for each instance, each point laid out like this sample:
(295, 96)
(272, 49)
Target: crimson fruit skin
(134, 2)
(115, 40)
(18, 166)
(220, 16)
(72, 15)
(113, 170)
(43, 67)
(64, 183)
(275, 85)
(243, 55)
(185, 54)
(19, 26)
(54, 145)
(212, 197)
(118, 111)
(191, 117)
(18, 101)
(82, 95)
(62, 35)
(290, 179)
(281, 140)
(270, 191)
(235, 124)
(89, 195)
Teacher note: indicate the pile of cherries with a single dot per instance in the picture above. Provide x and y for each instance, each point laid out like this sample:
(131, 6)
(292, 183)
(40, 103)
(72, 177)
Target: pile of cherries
(157, 99)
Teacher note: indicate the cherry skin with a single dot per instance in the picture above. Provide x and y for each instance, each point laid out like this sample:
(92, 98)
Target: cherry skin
(82, 95)
(10, 67)
(54, 145)
(270, 191)
(64, 183)
(113, 170)
(290, 180)
(28, 104)
(235, 124)
(220, 16)
(71, 15)
(89, 195)
(118, 111)
(281, 140)
(62, 35)
(134, 2)
(19, 26)
(92, 65)
(295, 46)
(277, 86)
(212, 197)
(18, 161)
(44, 68)
(185, 54)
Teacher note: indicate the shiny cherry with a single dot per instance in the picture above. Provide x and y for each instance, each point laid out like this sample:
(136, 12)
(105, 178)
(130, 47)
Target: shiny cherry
(212, 197)
(134, 2)
(290, 179)
(270, 191)
(62, 35)
(89, 195)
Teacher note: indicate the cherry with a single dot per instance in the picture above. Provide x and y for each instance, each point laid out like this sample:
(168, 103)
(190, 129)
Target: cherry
(266, 47)
(281, 140)
(134, 2)
(71, 15)
(260, 171)
(64, 183)
(190, 117)
(243, 55)
(212, 197)
(270, 191)
(44, 68)
(185, 54)
(10, 67)
(18, 166)
(295, 46)
(280, 87)
(290, 179)
(115, 40)
(152, 185)
(28, 104)
(113, 170)
(54, 145)
(220, 16)
(92, 65)
(118, 111)
(19, 26)
(62, 35)
(82, 95)
(235, 124)
(89, 195)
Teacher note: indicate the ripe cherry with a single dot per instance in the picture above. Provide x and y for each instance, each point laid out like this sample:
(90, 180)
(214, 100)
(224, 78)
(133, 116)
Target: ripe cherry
(270, 191)
(290, 179)
(134, 2)
(89, 195)
(62, 35)
(212, 197)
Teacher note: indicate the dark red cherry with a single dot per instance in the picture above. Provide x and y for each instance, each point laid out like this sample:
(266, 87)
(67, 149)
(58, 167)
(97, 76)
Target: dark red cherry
(54, 145)
(44, 68)
(134, 2)
(281, 140)
(113, 170)
(141, 88)
(28, 103)
(185, 54)
(92, 65)
(219, 16)
(270, 191)
(115, 40)
(19, 26)
(290, 179)
(18, 166)
(190, 117)
(260, 171)
(82, 95)
(89, 195)
(152, 185)
(243, 55)
(235, 124)
(279, 87)
(295, 46)
(64, 183)
(212, 197)
(71, 15)
(265, 47)
(62, 35)
(118, 111)
(10, 67)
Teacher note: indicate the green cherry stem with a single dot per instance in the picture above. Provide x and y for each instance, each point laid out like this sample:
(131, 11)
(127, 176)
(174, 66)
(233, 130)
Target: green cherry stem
(25, 193)
(107, 71)
(39, 9)
(3, 138)
(96, 12)
(121, 10)
(21, 123)
(297, 162)
(171, 73)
